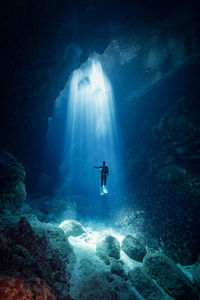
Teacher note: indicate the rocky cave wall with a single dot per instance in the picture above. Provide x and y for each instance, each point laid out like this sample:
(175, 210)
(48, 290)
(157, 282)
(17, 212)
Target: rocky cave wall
(158, 106)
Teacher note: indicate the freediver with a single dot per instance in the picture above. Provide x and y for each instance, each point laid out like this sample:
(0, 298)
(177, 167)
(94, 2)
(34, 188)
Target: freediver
(104, 174)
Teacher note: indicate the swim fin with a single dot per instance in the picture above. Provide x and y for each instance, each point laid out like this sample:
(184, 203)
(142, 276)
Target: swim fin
(101, 191)
(105, 189)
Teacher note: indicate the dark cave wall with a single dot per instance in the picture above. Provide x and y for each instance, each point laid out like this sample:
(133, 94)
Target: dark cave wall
(31, 59)
(154, 72)
(162, 161)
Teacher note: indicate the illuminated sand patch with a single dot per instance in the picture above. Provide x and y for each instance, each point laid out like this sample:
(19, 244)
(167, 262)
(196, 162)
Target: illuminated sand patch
(88, 263)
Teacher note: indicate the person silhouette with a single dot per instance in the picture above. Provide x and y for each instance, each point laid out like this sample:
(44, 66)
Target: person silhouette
(104, 174)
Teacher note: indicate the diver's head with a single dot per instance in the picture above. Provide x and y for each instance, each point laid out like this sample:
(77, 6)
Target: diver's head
(104, 163)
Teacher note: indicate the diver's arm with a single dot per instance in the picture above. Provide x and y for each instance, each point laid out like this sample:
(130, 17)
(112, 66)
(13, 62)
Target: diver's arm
(97, 167)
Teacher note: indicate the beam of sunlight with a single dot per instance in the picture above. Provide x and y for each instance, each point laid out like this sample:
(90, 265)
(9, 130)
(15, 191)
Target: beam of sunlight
(91, 135)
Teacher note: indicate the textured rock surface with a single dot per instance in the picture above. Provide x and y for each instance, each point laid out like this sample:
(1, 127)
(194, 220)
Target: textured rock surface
(167, 189)
(145, 285)
(197, 274)
(108, 248)
(168, 276)
(16, 288)
(116, 267)
(107, 286)
(12, 175)
(72, 228)
(133, 248)
(37, 250)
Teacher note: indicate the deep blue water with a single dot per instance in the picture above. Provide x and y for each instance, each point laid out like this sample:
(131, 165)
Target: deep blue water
(84, 132)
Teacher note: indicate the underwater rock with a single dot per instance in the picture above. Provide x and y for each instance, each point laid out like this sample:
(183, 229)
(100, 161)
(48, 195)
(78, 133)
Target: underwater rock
(197, 274)
(106, 286)
(16, 288)
(16, 197)
(189, 271)
(181, 130)
(37, 250)
(145, 285)
(10, 217)
(116, 267)
(12, 175)
(108, 248)
(133, 248)
(72, 228)
(172, 173)
(168, 276)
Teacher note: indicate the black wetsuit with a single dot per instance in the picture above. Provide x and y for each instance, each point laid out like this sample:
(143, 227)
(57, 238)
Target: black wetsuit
(104, 173)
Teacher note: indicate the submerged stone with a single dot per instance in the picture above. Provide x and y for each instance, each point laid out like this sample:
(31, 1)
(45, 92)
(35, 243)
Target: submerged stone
(16, 288)
(33, 249)
(12, 175)
(145, 285)
(133, 248)
(168, 276)
(108, 248)
(197, 274)
(72, 228)
(116, 267)
(105, 286)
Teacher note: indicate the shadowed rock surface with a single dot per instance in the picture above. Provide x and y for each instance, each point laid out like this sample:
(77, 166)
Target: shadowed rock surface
(38, 250)
(12, 175)
(105, 286)
(145, 285)
(22, 290)
(133, 248)
(108, 248)
(168, 276)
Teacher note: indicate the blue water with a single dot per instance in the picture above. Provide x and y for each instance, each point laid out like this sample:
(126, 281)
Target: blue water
(90, 133)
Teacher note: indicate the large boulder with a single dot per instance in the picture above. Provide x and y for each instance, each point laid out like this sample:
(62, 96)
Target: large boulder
(133, 248)
(108, 248)
(10, 217)
(145, 285)
(168, 276)
(37, 250)
(72, 228)
(12, 175)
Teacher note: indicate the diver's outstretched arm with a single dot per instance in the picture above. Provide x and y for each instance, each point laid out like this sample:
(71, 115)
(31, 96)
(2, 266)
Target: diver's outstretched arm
(97, 167)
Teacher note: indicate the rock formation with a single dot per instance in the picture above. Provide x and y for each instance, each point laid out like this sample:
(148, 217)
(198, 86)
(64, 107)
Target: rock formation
(12, 175)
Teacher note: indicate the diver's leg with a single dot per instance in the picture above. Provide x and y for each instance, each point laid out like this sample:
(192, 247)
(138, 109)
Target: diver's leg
(104, 186)
(101, 180)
